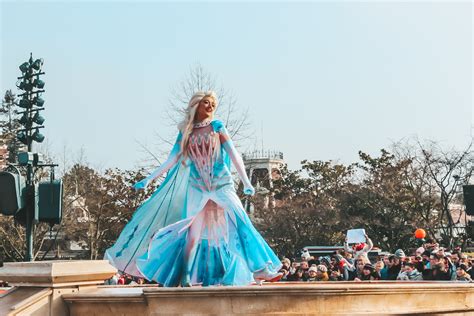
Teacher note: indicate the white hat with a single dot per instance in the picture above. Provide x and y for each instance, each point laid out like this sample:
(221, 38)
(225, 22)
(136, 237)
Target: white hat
(312, 268)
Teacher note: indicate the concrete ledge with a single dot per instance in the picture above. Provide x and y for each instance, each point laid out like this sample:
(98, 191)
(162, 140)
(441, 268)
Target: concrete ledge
(56, 273)
(321, 298)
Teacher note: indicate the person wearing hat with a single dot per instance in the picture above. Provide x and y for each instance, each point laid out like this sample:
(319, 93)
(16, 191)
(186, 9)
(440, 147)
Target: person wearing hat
(312, 274)
(462, 275)
(368, 273)
(419, 251)
(400, 254)
(322, 273)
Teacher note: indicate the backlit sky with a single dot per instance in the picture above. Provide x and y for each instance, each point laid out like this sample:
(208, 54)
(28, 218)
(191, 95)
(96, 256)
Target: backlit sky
(323, 80)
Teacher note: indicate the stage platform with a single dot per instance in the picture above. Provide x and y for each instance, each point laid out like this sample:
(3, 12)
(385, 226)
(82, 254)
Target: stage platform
(319, 298)
(61, 288)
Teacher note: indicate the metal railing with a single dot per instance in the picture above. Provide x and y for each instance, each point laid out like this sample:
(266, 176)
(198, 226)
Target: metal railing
(263, 154)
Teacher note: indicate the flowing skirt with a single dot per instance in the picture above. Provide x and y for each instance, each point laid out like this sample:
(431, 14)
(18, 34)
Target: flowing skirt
(186, 235)
(216, 244)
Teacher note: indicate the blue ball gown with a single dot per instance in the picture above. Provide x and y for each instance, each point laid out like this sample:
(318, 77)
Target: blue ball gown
(193, 229)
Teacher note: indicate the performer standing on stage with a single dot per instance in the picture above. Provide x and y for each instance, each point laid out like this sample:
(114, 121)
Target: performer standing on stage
(194, 229)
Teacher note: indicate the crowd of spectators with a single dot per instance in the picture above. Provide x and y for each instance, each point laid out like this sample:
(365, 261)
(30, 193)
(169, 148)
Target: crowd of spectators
(429, 262)
(353, 263)
(126, 279)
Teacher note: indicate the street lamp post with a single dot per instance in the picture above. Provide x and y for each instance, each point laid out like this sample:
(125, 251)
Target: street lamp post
(31, 120)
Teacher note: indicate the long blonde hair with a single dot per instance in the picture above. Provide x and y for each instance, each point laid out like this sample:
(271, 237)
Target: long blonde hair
(187, 124)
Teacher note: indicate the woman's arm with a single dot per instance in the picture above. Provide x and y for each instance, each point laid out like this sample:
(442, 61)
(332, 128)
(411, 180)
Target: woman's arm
(172, 159)
(368, 247)
(346, 247)
(236, 158)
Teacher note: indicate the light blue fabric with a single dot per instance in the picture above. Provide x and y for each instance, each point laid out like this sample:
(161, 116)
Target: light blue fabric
(153, 243)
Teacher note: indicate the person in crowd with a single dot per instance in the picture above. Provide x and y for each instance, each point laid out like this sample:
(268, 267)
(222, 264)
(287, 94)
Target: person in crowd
(379, 269)
(360, 250)
(286, 263)
(322, 273)
(468, 263)
(348, 257)
(299, 275)
(285, 274)
(409, 273)
(455, 259)
(462, 275)
(294, 266)
(419, 264)
(425, 257)
(336, 275)
(450, 268)
(357, 272)
(325, 261)
(338, 262)
(305, 267)
(285, 269)
(431, 246)
(312, 274)
(400, 254)
(439, 269)
(395, 266)
(121, 280)
(368, 273)
(113, 280)
(471, 268)
(419, 251)
(305, 256)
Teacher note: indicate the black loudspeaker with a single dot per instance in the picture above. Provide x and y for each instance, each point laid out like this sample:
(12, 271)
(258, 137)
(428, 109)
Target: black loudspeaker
(468, 191)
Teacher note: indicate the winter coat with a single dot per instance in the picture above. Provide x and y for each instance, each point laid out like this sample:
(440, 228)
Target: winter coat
(360, 253)
(414, 275)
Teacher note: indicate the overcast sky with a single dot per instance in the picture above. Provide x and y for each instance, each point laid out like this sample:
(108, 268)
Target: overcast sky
(323, 80)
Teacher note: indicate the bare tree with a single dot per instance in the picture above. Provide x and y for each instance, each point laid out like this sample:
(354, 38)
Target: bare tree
(198, 79)
(234, 116)
(440, 172)
(9, 125)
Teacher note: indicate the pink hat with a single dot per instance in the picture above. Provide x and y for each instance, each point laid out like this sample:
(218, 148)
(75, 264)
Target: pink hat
(420, 250)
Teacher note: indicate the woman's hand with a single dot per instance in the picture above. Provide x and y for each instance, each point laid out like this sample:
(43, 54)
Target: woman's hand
(249, 190)
(141, 185)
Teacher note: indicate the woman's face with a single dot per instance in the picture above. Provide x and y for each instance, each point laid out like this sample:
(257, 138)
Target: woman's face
(379, 265)
(206, 108)
(360, 264)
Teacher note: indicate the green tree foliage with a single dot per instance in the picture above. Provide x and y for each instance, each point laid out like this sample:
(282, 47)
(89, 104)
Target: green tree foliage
(388, 202)
(390, 196)
(98, 206)
(8, 126)
(306, 211)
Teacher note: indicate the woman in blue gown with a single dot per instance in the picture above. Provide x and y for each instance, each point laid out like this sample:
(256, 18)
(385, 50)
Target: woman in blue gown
(193, 229)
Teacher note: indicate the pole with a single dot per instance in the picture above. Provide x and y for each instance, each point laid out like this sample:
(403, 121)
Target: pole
(30, 201)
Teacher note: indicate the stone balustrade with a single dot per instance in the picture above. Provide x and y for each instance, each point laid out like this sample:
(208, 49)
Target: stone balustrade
(74, 288)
